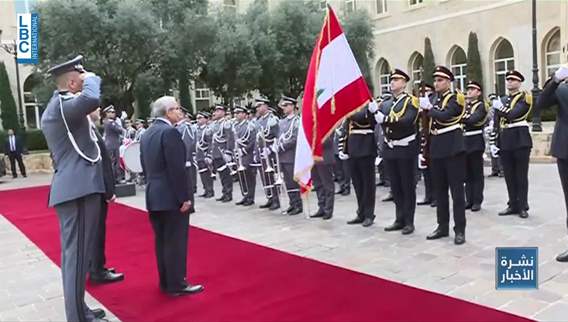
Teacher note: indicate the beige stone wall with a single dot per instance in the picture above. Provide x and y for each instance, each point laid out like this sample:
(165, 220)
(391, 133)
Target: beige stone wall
(35, 163)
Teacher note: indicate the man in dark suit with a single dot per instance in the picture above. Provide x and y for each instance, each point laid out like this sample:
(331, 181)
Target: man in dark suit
(322, 175)
(112, 133)
(98, 273)
(162, 154)
(13, 148)
(555, 92)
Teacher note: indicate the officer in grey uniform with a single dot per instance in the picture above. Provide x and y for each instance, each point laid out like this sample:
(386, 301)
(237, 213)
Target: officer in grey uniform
(245, 140)
(112, 136)
(204, 163)
(221, 151)
(322, 176)
(286, 149)
(267, 125)
(77, 187)
(187, 131)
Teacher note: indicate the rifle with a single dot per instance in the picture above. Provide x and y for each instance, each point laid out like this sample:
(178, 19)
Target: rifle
(425, 130)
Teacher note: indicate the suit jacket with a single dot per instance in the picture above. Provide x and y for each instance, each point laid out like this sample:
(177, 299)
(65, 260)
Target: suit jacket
(162, 154)
(113, 131)
(19, 146)
(74, 177)
(556, 94)
(108, 172)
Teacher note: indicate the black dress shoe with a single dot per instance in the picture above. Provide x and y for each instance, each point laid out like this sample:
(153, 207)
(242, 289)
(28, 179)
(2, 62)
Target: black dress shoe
(190, 289)
(494, 174)
(227, 199)
(339, 192)
(367, 222)
(476, 207)
(524, 214)
(294, 212)
(242, 201)
(248, 203)
(327, 216)
(395, 226)
(289, 209)
(468, 206)
(355, 221)
(407, 230)
(318, 214)
(381, 184)
(209, 195)
(433, 204)
(106, 277)
(388, 198)
(459, 239)
(98, 313)
(424, 202)
(508, 211)
(274, 206)
(266, 205)
(437, 234)
(346, 192)
(563, 258)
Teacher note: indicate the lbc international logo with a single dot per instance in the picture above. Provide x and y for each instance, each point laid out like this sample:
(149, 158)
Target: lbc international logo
(27, 43)
(516, 268)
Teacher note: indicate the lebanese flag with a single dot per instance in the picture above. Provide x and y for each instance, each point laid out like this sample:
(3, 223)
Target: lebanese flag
(334, 89)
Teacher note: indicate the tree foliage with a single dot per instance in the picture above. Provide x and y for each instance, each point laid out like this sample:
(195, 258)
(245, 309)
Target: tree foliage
(8, 110)
(429, 62)
(473, 60)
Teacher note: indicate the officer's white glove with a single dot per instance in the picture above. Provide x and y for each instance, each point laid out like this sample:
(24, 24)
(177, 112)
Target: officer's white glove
(494, 150)
(378, 161)
(380, 117)
(266, 152)
(498, 105)
(227, 157)
(425, 103)
(421, 162)
(274, 148)
(123, 115)
(561, 74)
(343, 156)
(373, 107)
(243, 151)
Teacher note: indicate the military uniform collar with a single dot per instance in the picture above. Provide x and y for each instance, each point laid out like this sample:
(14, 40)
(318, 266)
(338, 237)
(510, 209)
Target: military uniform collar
(515, 94)
(402, 94)
(447, 92)
(474, 101)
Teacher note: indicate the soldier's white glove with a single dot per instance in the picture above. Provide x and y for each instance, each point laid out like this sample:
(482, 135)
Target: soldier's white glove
(123, 115)
(208, 161)
(274, 148)
(561, 74)
(425, 103)
(267, 152)
(498, 105)
(373, 107)
(378, 161)
(421, 162)
(379, 117)
(343, 156)
(227, 157)
(494, 150)
(243, 151)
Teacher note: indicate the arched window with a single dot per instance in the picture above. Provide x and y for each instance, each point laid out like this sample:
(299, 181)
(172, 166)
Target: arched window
(458, 65)
(504, 60)
(552, 53)
(32, 109)
(415, 65)
(383, 75)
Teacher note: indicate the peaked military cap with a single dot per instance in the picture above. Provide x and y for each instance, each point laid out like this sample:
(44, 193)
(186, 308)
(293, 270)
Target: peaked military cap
(203, 114)
(442, 71)
(398, 73)
(261, 100)
(75, 64)
(220, 107)
(288, 100)
(109, 109)
(474, 84)
(239, 109)
(516, 75)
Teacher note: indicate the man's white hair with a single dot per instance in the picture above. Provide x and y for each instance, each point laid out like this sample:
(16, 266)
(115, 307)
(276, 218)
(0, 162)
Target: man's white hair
(161, 106)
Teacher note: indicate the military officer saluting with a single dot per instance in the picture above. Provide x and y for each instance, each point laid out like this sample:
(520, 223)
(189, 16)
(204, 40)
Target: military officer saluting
(188, 136)
(398, 117)
(221, 150)
(267, 125)
(77, 189)
(285, 147)
(474, 121)
(204, 136)
(113, 132)
(245, 136)
(447, 154)
(514, 143)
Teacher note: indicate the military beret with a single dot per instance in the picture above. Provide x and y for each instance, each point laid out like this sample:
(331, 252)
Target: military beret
(109, 109)
(474, 84)
(398, 73)
(515, 75)
(75, 64)
(442, 71)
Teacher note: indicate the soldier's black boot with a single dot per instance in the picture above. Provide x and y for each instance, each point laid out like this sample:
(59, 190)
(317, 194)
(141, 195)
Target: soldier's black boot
(267, 204)
(563, 258)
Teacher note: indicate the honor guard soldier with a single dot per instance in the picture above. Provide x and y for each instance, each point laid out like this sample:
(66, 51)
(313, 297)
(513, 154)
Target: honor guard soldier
(140, 129)
(267, 125)
(245, 136)
(342, 166)
(429, 195)
(221, 150)
(398, 117)
(474, 121)
(188, 136)
(514, 143)
(112, 136)
(204, 162)
(285, 150)
(447, 154)
(555, 92)
(360, 149)
(77, 188)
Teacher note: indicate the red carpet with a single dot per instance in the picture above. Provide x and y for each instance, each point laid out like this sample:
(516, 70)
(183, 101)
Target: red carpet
(243, 281)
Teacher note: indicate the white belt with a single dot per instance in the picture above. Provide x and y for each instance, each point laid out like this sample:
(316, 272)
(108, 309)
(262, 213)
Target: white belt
(516, 124)
(446, 129)
(356, 131)
(402, 142)
(472, 133)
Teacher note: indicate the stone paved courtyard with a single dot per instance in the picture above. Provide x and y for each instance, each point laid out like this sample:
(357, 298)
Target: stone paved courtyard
(32, 290)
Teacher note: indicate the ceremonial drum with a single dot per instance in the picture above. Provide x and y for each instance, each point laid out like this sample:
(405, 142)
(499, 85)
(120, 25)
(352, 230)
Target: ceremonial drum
(131, 157)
